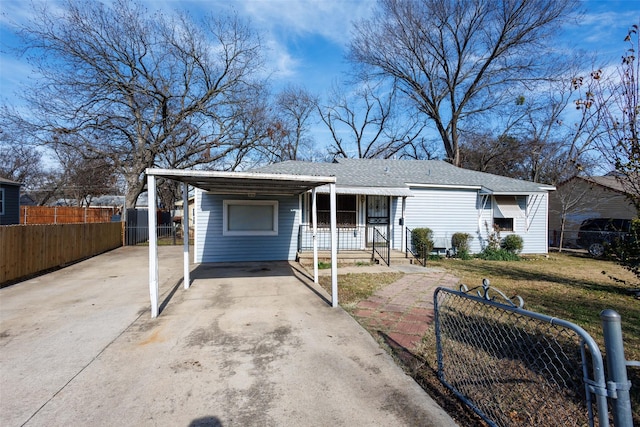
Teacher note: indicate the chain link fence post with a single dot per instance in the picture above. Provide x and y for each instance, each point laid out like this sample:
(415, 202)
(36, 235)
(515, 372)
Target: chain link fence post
(618, 384)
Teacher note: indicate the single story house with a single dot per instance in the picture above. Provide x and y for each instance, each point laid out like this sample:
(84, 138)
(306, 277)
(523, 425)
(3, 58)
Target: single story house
(389, 197)
(269, 214)
(587, 197)
(9, 202)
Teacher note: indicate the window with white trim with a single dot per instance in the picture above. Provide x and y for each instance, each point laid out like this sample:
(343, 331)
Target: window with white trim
(505, 211)
(1, 201)
(250, 218)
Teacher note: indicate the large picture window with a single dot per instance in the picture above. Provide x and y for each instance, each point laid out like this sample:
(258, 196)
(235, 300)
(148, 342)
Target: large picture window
(345, 210)
(250, 218)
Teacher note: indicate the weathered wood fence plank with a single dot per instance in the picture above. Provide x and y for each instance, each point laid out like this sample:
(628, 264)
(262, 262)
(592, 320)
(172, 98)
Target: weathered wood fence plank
(30, 249)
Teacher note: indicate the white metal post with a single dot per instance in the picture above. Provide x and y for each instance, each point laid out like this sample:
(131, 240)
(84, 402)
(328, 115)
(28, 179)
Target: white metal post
(334, 247)
(153, 246)
(403, 230)
(314, 225)
(185, 233)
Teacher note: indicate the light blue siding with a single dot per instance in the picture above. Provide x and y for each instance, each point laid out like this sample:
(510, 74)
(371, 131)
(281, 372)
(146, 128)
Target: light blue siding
(532, 227)
(212, 246)
(445, 212)
(535, 235)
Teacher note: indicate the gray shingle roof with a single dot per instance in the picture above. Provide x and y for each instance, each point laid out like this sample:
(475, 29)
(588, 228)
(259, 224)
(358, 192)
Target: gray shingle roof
(402, 173)
(9, 182)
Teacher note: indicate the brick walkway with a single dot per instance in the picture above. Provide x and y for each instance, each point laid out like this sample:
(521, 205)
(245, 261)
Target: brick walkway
(403, 310)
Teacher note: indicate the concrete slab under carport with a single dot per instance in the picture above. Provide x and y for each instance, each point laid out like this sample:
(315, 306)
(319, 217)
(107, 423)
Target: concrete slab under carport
(247, 344)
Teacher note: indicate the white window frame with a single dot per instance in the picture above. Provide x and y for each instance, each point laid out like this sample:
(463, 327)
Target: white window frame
(225, 217)
(1, 201)
(513, 213)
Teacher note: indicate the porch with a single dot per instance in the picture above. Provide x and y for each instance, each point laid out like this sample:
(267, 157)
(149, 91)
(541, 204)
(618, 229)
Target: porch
(357, 257)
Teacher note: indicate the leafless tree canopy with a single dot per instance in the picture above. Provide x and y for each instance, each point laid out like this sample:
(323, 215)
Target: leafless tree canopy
(458, 59)
(369, 123)
(144, 90)
(289, 135)
(616, 100)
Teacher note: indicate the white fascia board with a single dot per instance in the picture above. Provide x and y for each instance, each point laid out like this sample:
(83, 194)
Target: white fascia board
(183, 173)
(517, 193)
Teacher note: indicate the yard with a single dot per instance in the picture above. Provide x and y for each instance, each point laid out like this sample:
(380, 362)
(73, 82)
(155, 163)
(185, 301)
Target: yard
(570, 286)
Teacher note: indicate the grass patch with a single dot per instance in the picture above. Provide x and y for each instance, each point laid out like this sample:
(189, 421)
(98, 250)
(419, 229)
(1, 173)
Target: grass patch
(324, 265)
(355, 287)
(572, 287)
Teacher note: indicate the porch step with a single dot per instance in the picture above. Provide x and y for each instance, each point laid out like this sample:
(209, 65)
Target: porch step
(353, 257)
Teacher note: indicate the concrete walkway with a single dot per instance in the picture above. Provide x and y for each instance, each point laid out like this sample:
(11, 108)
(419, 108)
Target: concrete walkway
(254, 344)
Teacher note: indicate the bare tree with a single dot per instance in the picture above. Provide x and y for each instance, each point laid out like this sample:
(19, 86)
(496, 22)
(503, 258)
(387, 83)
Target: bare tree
(84, 178)
(142, 90)
(616, 97)
(484, 153)
(20, 162)
(290, 131)
(458, 59)
(368, 123)
(542, 137)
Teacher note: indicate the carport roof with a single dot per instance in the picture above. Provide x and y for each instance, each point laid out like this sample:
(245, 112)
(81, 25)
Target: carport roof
(245, 183)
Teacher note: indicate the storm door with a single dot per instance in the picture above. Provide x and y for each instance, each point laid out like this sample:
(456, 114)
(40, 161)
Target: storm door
(377, 217)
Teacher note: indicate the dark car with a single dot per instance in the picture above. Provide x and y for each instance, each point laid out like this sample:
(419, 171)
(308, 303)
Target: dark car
(596, 233)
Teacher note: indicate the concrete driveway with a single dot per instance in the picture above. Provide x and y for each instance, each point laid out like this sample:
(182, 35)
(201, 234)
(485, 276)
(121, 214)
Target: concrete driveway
(248, 344)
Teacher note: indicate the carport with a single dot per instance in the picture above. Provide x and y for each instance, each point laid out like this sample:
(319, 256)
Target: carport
(237, 183)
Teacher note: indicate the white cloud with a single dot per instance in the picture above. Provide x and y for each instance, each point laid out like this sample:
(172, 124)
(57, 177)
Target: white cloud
(603, 27)
(329, 19)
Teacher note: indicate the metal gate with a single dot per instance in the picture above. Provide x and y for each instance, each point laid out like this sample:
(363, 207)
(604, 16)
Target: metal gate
(514, 367)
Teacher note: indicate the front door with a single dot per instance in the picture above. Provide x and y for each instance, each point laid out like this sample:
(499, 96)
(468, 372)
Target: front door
(377, 216)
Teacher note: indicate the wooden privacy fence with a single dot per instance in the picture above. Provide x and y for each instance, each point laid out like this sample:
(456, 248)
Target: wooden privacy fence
(65, 214)
(29, 249)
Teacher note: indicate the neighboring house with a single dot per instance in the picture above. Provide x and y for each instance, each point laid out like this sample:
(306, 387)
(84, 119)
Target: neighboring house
(9, 202)
(178, 211)
(582, 198)
(390, 196)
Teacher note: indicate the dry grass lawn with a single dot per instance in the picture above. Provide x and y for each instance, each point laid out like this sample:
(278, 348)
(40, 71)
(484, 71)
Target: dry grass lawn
(569, 286)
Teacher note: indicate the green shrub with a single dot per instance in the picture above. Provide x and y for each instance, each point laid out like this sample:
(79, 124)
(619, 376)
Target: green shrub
(512, 243)
(422, 241)
(491, 254)
(460, 241)
(460, 245)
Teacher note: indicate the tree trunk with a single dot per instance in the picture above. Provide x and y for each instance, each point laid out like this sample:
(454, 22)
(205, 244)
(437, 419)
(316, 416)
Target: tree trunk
(134, 188)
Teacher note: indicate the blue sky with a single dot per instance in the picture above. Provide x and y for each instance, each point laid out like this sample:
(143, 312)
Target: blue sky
(307, 39)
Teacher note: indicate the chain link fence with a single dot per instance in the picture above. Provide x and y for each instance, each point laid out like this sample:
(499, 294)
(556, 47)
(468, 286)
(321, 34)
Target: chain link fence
(515, 367)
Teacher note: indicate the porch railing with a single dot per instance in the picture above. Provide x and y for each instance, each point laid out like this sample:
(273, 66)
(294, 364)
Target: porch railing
(350, 238)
